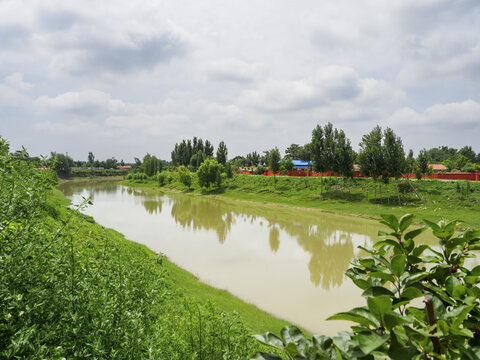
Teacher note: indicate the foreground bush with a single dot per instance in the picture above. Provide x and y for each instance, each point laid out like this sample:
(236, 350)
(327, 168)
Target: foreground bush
(70, 289)
(392, 325)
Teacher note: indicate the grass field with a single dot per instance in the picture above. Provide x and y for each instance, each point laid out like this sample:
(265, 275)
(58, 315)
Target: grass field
(440, 198)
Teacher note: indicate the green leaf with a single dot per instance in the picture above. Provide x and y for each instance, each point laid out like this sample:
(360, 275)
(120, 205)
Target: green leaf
(411, 293)
(355, 317)
(291, 334)
(379, 306)
(450, 284)
(398, 265)
(420, 249)
(431, 225)
(367, 262)
(265, 356)
(400, 351)
(390, 220)
(393, 319)
(362, 284)
(416, 277)
(376, 291)
(459, 292)
(405, 221)
(386, 242)
(414, 233)
(291, 349)
(383, 275)
(459, 314)
(369, 341)
(270, 339)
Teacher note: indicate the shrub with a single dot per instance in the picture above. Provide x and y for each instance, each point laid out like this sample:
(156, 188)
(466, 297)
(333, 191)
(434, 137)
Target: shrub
(210, 173)
(260, 170)
(185, 176)
(162, 178)
(392, 325)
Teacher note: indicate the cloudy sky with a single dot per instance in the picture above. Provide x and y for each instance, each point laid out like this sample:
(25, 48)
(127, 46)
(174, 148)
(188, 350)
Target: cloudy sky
(122, 78)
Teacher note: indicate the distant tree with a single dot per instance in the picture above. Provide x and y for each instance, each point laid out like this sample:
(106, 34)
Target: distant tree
(151, 165)
(288, 164)
(185, 176)
(228, 169)
(274, 163)
(410, 162)
(61, 163)
(265, 158)
(344, 155)
(210, 173)
(208, 149)
(260, 170)
(329, 147)
(449, 164)
(222, 153)
(395, 163)
(239, 162)
(294, 152)
(422, 161)
(253, 159)
(460, 161)
(111, 163)
(197, 159)
(91, 159)
(468, 152)
(305, 152)
(371, 157)
(317, 148)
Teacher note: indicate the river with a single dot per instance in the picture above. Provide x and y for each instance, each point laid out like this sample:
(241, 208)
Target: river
(288, 262)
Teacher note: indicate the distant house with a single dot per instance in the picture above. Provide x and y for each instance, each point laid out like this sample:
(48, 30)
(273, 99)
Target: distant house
(124, 167)
(437, 168)
(301, 164)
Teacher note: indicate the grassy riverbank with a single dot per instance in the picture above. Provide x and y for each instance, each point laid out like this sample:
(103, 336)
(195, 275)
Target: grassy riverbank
(450, 199)
(70, 288)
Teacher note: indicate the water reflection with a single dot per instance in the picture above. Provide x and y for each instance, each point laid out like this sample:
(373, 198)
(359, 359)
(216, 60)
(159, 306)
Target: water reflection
(328, 242)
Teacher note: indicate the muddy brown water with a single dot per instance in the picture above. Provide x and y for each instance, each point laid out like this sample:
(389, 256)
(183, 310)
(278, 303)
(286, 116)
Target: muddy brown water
(288, 262)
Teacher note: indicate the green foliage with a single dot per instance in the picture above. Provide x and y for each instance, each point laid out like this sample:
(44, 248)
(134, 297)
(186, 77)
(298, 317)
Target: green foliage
(422, 161)
(151, 165)
(228, 168)
(260, 170)
(136, 177)
(162, 178)
(288, 164)
(185, 176)
(61, 163)
(392, 324)
(210, 173)
(70, 289)
(222, 153)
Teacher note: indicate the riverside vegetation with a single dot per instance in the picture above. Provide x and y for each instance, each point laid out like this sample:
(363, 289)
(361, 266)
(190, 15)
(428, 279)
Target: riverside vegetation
(450, 199)
(70, 288)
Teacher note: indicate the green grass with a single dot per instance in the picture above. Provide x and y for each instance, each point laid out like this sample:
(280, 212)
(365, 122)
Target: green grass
(440, 198)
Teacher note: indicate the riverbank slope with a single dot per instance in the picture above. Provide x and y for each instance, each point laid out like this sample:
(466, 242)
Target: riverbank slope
(450, 199)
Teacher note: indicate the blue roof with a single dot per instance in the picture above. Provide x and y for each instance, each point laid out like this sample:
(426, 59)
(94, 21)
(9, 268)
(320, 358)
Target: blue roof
(298, 163)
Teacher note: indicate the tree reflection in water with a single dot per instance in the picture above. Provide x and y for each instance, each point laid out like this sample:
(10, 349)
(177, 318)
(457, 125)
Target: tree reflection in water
(329, 242)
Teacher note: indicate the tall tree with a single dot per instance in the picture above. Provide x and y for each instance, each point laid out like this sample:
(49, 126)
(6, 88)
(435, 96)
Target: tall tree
(208, 148)
(329, 147)
(395, 163)
(317, 148)
(253, 159)
(274, 163)
(344, 155)
(294, 152)
(422, 161)
(91, 159)
(370, 157)
(222, 153)
(410, 162)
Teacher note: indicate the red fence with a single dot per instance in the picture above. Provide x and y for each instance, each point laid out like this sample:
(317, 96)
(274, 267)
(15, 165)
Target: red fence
(442, 176)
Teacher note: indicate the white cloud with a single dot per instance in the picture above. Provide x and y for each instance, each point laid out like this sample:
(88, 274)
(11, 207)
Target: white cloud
(15, 80)
(85, 103)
